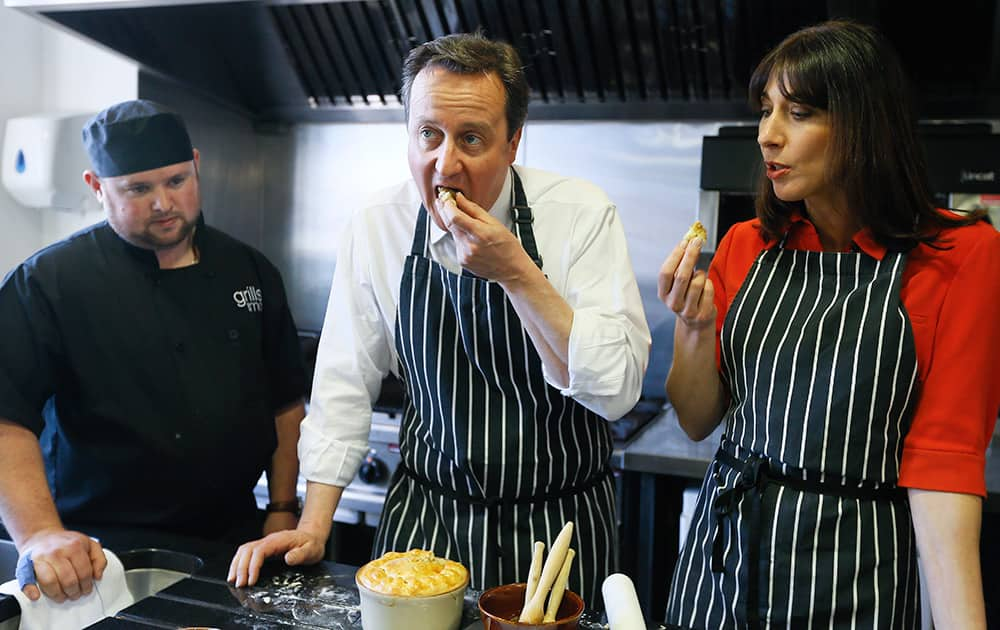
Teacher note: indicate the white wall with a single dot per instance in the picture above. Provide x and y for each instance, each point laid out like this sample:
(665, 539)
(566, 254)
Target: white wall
(20, 52)
(46, 69)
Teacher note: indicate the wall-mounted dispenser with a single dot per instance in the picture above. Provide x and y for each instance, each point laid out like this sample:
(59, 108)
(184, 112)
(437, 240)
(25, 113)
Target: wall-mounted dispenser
(44, 160)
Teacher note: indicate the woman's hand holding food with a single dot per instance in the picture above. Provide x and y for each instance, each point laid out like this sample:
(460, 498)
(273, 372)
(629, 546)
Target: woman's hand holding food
(686, 290)
(693, 385)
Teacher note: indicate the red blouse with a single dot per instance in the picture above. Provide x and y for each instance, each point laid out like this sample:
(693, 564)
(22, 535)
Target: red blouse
(952, 297)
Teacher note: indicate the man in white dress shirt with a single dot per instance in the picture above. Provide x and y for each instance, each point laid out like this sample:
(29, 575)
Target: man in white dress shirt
(512, 316)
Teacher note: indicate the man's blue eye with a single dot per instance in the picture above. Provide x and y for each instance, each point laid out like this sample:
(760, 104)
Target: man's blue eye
(471, 139)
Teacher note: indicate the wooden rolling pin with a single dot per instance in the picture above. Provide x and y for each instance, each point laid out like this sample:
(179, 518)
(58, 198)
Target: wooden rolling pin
(555, 598)
(534, 572)
(535, 609)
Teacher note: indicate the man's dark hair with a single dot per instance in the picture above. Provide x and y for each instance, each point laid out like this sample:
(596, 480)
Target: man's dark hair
(472, 53)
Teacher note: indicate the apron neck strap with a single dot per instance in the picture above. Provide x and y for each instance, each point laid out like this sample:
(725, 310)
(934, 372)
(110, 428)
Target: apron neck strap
(419, 246)
(520, 214)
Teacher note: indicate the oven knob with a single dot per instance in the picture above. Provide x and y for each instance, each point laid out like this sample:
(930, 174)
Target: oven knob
(372, 469)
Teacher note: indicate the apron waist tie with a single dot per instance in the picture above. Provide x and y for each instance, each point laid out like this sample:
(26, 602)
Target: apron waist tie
(492, 502)
(504, 505)
(754, 476)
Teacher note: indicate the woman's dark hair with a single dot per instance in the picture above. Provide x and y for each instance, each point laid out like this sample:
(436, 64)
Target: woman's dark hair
(851, 72)
(472, 53)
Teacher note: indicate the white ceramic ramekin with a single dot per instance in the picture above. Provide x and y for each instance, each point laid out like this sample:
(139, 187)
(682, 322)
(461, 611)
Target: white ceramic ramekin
(398, 612)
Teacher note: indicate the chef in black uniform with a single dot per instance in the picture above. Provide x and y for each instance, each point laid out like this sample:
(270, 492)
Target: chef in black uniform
(149, 369)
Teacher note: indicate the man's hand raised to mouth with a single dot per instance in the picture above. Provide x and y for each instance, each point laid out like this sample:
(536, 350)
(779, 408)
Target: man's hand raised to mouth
(483, 245)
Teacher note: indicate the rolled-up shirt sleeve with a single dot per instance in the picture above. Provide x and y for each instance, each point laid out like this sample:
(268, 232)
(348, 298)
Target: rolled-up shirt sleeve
(609, 340)
(354, 355)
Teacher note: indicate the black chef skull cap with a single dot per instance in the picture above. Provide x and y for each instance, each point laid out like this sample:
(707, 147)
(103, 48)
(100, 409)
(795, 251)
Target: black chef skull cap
(135, 136)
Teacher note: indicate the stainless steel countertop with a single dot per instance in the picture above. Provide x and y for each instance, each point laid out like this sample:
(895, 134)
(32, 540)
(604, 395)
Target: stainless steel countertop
(663, 448)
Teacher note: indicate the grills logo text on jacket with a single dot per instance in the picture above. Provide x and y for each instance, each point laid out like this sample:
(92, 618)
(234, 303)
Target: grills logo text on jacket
(250, 298)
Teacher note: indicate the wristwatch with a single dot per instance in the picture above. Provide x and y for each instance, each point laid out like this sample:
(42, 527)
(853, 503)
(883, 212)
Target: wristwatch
(294, 506)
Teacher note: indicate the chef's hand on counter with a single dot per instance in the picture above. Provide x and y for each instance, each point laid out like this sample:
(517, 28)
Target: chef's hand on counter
(306, 544)
(298, 547)
(66, 564)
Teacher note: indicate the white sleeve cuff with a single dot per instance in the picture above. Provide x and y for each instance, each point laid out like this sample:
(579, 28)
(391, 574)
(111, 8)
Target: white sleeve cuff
(598, 353)
(606, 364)
(331, 462)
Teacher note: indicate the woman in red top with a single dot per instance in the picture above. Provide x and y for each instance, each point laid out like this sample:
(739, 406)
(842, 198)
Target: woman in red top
(845, 339)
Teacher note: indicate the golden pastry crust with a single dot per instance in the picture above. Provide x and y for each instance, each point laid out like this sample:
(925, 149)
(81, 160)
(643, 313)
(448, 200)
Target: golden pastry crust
(415, 573)
(697, 230)
(445, 194)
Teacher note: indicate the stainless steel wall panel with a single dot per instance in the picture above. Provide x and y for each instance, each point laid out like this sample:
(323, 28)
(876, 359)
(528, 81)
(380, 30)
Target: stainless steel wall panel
(334, 169)
(650, 170)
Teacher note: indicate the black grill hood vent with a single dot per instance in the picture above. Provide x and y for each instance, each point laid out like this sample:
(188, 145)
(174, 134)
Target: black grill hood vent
(586, 59)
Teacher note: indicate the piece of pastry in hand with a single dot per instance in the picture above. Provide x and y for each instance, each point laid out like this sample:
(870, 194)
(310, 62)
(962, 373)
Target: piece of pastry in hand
(446, 194)
(697, 230)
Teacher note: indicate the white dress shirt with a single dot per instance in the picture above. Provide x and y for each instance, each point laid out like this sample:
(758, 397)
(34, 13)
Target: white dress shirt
(582, 244)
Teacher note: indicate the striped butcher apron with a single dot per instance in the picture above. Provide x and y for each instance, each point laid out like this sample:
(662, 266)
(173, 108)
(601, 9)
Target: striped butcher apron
(800, 523)
(493, 458)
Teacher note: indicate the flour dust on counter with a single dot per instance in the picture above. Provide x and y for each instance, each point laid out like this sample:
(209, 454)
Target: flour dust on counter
(326, 601)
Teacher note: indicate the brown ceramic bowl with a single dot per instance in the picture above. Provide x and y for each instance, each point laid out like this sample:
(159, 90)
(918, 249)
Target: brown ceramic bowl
(500, 607)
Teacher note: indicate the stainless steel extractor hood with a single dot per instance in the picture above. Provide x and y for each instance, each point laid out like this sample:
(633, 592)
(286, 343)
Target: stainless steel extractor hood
(293, 61)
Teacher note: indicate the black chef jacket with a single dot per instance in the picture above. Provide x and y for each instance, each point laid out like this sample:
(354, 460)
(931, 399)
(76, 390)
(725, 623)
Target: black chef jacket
(153, 391)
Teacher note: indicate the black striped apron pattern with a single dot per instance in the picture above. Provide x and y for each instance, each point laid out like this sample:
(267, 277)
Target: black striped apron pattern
(799, 523)
(493, 458)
